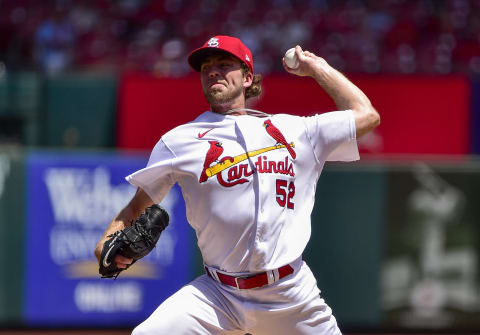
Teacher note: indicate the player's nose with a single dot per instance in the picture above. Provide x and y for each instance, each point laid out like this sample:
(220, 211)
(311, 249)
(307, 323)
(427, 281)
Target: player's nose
(213, 71)
(213, 74)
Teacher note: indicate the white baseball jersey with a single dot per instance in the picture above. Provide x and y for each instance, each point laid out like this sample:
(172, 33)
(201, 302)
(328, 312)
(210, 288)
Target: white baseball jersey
(248, 182)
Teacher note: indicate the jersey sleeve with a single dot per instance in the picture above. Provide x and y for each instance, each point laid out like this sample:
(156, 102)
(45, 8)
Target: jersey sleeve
(333, 136)
(156, 179)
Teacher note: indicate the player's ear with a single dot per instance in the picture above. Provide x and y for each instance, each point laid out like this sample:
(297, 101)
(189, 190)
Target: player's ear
(247, 79)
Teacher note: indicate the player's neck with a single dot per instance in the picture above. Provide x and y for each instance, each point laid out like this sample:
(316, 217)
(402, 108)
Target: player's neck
(230, 108)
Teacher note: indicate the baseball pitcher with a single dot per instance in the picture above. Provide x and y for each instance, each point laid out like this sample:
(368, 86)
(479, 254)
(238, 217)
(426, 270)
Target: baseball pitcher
(248, 179)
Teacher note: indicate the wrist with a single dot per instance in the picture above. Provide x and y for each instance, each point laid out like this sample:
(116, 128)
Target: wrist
(322, 74)
(98, 250)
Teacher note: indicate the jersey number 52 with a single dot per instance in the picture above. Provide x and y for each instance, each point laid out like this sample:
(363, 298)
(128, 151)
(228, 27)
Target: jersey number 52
(285, 194)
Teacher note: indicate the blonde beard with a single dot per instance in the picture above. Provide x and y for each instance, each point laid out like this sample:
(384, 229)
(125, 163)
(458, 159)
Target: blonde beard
(216, 97)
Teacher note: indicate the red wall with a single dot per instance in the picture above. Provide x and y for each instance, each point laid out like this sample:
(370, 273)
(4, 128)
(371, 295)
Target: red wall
(149, 107)
(420, 115)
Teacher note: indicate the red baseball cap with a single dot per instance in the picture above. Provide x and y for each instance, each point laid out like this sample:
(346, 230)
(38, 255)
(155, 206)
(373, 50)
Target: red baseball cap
(228, 44)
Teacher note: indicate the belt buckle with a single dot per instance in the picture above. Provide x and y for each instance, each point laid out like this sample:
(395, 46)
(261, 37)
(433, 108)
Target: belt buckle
(240, 277)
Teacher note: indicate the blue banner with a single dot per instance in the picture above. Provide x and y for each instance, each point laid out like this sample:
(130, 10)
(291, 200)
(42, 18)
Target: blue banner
(72, 197)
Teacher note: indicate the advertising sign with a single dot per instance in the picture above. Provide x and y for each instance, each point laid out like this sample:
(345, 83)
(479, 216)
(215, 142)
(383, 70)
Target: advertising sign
(475, 122)
(71, 199)
(420, 114)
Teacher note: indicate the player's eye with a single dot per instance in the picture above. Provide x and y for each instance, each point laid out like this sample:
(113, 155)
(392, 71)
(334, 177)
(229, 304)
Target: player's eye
(225, 64)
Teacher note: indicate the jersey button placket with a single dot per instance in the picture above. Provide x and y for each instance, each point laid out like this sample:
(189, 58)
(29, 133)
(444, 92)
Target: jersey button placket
(260, 234)
(262, 181)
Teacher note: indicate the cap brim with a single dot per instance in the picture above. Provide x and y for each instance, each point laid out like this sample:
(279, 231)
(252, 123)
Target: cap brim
(197, 56)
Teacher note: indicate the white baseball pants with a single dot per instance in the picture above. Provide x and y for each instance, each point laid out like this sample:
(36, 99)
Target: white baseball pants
(290, 306)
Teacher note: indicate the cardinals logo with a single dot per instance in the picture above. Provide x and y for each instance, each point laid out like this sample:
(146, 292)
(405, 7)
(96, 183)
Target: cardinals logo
(213, 153)
(278, 136)
(235, 170)
(235, 176)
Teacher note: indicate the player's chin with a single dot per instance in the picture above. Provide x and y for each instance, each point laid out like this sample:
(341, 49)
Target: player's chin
(215, 96)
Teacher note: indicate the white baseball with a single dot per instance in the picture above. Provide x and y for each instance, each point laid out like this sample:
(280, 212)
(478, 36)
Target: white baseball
(291, 58)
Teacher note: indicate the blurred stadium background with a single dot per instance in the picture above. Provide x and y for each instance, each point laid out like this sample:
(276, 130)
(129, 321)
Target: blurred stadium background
(88, 87)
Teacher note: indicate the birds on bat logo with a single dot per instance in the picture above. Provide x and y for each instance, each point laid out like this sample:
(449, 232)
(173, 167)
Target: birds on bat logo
(236, 176)
(213, 153)
(234, 170)
(278, 136)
